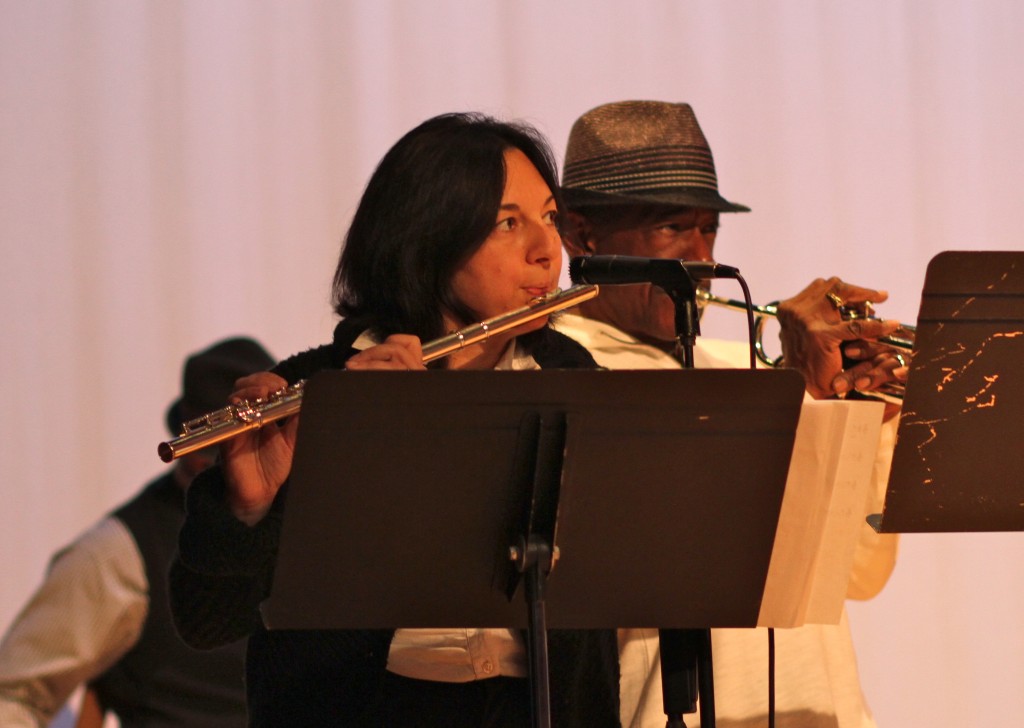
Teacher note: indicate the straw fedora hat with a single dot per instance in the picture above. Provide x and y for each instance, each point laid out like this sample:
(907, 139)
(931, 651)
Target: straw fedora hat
(641, 151)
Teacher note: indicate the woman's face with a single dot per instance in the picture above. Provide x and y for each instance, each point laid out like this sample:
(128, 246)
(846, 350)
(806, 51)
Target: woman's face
(522, 257)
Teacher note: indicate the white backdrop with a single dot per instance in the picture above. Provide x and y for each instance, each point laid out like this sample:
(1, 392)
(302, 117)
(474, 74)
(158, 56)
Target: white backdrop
(173, 172)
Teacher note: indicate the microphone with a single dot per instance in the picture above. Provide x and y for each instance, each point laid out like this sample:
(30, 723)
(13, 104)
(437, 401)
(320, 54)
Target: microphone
(665, 272)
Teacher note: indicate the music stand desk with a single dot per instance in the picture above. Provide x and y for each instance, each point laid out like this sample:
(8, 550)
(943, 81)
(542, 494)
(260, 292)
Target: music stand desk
(961, 431)
(403, 499)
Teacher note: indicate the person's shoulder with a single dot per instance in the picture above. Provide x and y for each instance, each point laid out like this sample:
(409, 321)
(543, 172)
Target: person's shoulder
(585, 330)
(326, 356)
(721, 354)
(611, 347)
(107, 545)
(552, 349)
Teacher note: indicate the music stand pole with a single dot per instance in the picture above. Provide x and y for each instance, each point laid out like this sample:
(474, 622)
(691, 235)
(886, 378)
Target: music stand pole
(533, 559)
(542, 463)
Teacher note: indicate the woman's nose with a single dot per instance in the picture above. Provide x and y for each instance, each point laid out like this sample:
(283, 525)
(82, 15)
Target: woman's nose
(545, 245)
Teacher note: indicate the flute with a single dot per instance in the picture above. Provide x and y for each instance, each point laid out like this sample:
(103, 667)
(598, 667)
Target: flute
(233, 420)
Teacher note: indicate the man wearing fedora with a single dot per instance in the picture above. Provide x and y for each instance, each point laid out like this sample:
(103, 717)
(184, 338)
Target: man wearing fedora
(639, 180)
(101, 617)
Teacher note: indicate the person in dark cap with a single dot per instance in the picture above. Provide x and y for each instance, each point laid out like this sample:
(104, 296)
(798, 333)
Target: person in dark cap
(639, 179)
(101, 617)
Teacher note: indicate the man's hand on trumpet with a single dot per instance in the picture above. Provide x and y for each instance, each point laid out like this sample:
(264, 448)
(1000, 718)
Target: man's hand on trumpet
(815, 335)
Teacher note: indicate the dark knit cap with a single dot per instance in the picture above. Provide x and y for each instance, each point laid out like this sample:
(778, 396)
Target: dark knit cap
(209, 377)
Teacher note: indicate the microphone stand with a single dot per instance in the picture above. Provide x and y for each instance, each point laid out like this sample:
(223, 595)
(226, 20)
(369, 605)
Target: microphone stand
(685, 653)
(686, 669)
(684, 295)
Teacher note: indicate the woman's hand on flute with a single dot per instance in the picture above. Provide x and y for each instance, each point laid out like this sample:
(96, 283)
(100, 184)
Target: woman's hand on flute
(399, 351)
(257, 462)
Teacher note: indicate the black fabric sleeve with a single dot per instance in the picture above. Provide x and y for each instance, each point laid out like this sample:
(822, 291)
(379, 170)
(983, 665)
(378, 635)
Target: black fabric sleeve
(223, 568)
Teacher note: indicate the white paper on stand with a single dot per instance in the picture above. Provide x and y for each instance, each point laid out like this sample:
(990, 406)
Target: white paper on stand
(823, 511)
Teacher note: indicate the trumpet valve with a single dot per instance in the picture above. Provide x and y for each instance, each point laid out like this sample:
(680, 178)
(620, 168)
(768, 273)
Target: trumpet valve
(865, 310)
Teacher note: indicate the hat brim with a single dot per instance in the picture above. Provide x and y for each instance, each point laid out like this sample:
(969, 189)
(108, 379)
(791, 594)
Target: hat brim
(683, 196)
(175, 418)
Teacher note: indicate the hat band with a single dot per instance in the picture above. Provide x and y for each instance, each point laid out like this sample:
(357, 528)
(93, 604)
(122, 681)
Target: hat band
(648, 181)
(660, 167)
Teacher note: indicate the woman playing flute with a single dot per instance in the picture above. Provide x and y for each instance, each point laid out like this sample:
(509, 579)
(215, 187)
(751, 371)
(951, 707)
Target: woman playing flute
(459, 223)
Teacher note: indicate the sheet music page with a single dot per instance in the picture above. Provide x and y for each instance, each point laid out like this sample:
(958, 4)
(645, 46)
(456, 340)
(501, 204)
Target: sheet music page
(823, 510)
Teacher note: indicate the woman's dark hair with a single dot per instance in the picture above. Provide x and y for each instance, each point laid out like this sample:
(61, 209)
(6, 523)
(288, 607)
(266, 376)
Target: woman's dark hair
(431, 202)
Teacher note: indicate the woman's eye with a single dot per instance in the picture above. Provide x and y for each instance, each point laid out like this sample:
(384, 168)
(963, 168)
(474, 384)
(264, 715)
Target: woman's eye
(551, 217)
(505, 225)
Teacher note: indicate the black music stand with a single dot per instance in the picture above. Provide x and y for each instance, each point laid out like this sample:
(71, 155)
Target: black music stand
(961, 432)
(660, 490)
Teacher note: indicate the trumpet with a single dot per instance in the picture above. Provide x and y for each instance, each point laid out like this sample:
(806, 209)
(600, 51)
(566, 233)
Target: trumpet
(233, 420)
(902, 340)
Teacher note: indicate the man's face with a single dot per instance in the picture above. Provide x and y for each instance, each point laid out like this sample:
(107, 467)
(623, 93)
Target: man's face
(643, 310)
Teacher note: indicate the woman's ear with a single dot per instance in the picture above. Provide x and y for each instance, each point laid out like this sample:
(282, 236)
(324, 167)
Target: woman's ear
(577, 234)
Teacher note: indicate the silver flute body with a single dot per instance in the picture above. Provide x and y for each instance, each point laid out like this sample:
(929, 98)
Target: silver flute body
(233, 420)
